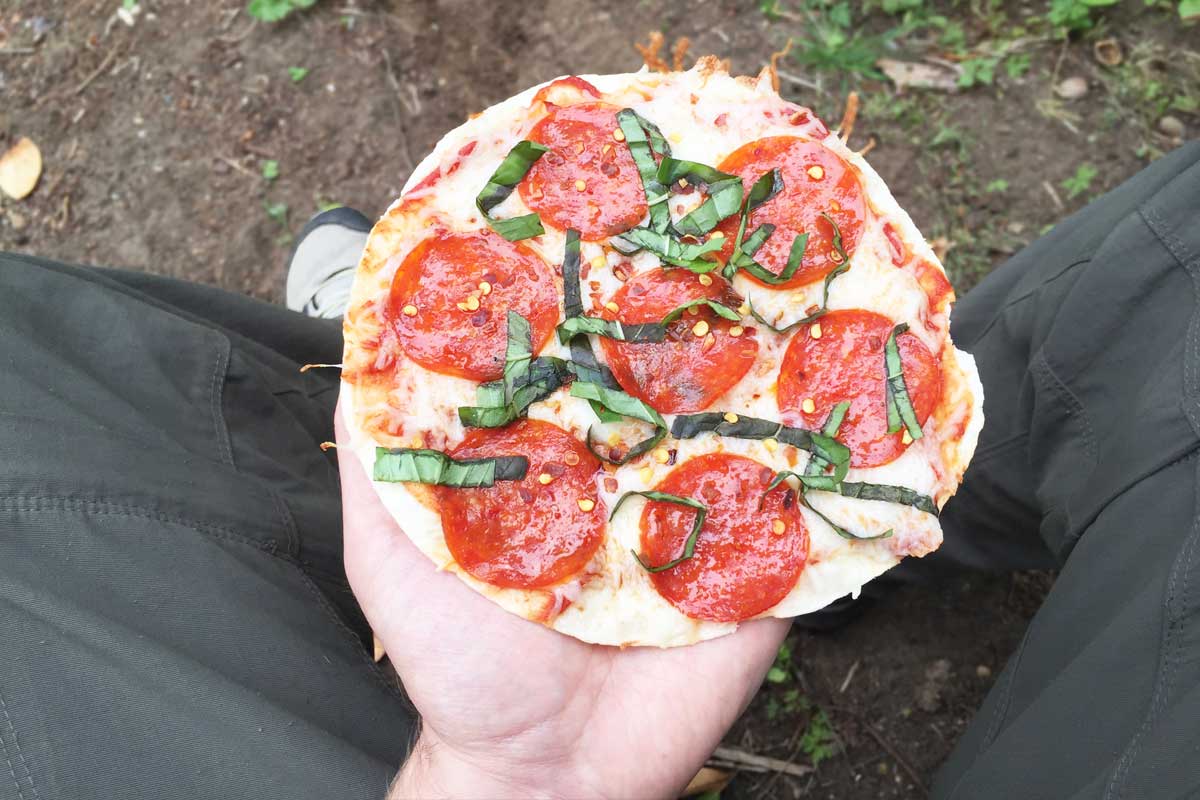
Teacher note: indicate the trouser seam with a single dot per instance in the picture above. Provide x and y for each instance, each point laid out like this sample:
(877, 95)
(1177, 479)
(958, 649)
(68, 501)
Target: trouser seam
(44, 503)
(1041, 366)
(999, 314)
(1183, 562)
(16, 746)
(1173, 600)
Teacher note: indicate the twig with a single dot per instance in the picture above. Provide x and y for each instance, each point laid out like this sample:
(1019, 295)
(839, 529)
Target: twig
(108, 59)
(732, 757)
(1062, 54)
(912, 773)
(1054, 195)
(849, 673)
(239, 36)
(796, 79)
(258, 151)
(237, 166)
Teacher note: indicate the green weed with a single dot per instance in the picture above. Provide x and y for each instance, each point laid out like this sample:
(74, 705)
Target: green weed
(270, 169)
(978, 71)
(275, 10)
(1074, 15)
(1081, 181)
(297, 74)
(781, 670)
(819, 741)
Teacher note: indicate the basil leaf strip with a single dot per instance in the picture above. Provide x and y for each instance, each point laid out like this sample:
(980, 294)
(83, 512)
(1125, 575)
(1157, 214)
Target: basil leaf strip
(510, 172)
(644, 139)
(611, 329)
(721, 311)
(743, 261)
(625, 405)
(584, 364)
(688, 426)
(689, 546)
(724, 194)
(843, 265)
(436, 468)
(842, 532)
(889, 494)
(767, 186)
(899, 405)
(816, 465)
(526, 381)
(668, 249)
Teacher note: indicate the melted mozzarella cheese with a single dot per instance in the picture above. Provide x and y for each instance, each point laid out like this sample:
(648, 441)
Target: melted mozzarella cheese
(613, 601)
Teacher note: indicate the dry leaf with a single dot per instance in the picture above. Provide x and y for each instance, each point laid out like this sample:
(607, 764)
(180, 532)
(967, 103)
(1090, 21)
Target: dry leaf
(20, 168)
(920, 75)
(707, 780)
(1108, 52)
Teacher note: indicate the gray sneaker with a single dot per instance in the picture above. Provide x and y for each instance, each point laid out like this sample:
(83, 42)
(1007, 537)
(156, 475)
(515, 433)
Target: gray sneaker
(322, 266)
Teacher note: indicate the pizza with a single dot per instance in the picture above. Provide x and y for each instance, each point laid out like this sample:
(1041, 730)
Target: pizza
(639, 357)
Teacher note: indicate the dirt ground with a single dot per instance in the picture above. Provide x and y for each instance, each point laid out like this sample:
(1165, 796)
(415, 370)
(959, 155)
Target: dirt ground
(160, 139)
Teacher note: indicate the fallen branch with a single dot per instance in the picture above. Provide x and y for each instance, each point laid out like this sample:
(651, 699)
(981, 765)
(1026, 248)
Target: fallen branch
(739, 759)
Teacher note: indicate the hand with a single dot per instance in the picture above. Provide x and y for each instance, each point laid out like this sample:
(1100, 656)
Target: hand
(514, 709)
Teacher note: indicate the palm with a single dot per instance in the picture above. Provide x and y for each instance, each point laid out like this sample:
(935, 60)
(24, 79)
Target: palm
(568, 717)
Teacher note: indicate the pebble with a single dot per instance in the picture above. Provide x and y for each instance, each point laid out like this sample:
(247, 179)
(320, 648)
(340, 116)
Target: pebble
(1171, 126)
(17, 220)
(983, 671)
(1071, 88)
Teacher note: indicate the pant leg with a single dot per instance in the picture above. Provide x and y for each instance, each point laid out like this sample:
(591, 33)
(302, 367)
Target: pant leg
(174, 618)
(1089, 349)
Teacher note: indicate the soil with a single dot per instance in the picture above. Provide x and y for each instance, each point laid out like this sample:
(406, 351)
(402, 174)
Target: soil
(155, 137)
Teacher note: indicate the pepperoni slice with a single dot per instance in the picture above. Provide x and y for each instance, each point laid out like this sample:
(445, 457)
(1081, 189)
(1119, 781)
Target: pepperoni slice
(847, 363)
(685, 372)
(741, 566)
(587, 181)
(815, 180)
(525, 534)
(447, 269)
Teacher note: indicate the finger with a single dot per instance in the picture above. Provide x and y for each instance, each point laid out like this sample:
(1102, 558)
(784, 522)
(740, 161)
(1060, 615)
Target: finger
(405, 597)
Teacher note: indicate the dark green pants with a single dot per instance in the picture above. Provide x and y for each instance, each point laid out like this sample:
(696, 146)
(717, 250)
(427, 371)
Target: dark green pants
(174, 621)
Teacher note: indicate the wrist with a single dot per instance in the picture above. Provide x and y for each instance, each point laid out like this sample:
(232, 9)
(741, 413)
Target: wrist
(434, 770)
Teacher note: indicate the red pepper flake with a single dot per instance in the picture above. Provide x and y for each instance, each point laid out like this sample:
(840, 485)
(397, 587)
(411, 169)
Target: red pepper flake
(554, 469)
(721, 119)
(610, 485)
(671, 455)
(525, 494)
